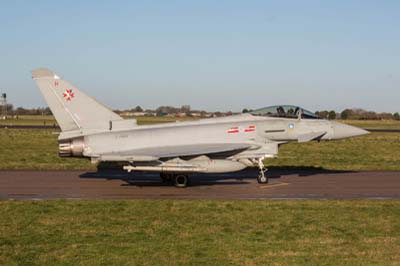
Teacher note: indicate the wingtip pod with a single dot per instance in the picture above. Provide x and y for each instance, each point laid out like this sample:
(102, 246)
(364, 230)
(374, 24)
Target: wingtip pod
(43, 73)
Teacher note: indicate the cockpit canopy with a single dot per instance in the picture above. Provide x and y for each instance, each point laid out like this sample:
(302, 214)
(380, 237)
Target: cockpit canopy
(286, 111)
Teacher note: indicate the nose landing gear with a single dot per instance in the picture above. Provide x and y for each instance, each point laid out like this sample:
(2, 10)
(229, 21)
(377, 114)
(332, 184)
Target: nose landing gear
(262, 178)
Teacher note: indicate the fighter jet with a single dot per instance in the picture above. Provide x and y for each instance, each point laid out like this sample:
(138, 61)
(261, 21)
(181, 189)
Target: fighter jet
(178, 149)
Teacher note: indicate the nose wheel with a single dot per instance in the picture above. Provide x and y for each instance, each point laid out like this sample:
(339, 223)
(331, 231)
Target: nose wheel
(262, 178)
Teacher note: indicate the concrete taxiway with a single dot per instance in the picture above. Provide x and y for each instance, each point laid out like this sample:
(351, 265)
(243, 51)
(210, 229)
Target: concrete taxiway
(284, 184)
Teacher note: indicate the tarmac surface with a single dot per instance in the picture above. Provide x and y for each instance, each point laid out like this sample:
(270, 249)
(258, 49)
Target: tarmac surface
(284, 184)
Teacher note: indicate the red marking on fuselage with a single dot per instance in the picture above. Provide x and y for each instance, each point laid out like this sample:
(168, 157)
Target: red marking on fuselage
(233, 130)
(250, 129)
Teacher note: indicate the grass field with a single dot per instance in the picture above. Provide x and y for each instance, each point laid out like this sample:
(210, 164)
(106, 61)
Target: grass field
(373, 124)
(39, 120)
(167, 232)
(376, 151)
(185, 232)
(35, 149)
(47, 120)
(38, 149)
(30, 120)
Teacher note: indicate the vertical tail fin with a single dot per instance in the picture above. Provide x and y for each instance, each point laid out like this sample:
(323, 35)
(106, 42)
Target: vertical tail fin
(72, 108)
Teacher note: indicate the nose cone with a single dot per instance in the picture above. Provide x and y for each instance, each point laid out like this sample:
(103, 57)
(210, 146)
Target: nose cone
(342, 131)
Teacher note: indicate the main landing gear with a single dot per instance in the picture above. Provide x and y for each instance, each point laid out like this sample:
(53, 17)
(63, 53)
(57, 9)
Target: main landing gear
(262, 178)
(179, 180)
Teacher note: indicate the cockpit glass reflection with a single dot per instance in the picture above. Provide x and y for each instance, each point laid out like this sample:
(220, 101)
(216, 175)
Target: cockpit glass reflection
(287, 111)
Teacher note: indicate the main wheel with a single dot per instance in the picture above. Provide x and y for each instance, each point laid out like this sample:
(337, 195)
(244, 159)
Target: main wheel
(262, 179)
(181, 180)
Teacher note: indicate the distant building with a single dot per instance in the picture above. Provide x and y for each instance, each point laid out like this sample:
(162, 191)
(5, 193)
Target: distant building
(126, 113)
(181, 114)
(195, 114)
(139, 113)
(150, 113)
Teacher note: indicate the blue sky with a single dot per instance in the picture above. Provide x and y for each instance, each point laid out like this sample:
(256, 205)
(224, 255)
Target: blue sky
(215, 55)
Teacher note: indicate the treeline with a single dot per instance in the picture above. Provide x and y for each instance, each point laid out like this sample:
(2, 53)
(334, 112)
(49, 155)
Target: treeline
(160, 111)
(331, 115)
(25, 111)
(172, 111)
(347, 114)
(358, 114)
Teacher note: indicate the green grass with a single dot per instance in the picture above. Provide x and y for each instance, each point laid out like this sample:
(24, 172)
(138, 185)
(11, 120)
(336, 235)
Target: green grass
(148, 120)
(30, 120)
(49, 121)
(376, 151)
(179, 232)
(182, 232)
(38, 149)
(373, 124)
(35, 149)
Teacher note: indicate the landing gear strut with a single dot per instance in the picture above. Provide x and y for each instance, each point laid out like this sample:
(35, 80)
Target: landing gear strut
(179, 180)
(262, 178)
(166, 178)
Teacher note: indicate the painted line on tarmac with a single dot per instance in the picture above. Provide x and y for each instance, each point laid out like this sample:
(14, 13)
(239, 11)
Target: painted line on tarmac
(275, 185)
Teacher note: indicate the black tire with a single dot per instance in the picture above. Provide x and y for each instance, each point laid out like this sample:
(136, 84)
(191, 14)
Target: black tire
(262, 179)
(181, 180)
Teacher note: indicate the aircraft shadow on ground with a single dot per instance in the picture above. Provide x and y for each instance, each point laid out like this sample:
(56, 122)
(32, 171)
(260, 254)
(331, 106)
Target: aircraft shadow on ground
(279, 171)
(237, 178)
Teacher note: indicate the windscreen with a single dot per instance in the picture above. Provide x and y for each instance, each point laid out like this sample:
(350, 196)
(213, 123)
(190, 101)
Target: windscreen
(286, 111)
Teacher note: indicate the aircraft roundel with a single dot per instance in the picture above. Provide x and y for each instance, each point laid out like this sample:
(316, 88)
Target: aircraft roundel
(68, 95)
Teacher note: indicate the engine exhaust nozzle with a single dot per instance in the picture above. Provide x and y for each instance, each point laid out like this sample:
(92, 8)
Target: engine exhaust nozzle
(71, 148)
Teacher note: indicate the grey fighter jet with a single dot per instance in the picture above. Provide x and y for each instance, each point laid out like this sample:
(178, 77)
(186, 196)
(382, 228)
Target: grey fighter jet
(175, 150)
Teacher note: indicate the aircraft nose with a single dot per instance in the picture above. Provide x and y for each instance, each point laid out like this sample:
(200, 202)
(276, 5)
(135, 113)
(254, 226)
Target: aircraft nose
(342, 131)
